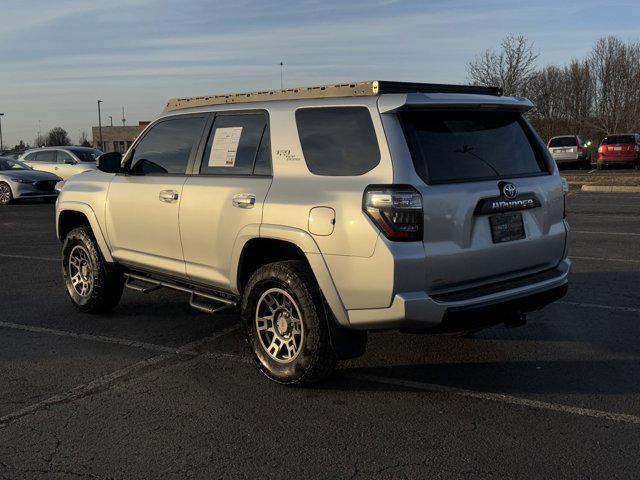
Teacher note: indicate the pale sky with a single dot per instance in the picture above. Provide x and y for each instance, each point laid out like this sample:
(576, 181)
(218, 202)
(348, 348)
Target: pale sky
(57, 58)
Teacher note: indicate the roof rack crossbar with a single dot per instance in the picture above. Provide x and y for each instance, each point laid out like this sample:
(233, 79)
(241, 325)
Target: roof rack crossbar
(355, 89)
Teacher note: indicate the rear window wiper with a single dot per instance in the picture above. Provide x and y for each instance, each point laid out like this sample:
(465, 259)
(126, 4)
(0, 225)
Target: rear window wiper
(468, 149)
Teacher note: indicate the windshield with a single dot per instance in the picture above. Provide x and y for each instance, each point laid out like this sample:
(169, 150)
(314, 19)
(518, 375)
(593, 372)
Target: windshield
(616, 139)
(563, 142)
(86, 155)
(8, 164)
(459, 146)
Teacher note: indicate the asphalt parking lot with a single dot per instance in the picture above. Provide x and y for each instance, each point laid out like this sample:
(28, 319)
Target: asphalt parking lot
(158, 390)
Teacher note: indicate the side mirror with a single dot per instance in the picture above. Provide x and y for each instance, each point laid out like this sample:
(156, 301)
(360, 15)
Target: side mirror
(109, 162)
(70, 162)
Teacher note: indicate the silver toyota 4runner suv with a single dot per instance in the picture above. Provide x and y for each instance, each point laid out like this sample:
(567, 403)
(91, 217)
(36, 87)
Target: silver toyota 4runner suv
(325, 212)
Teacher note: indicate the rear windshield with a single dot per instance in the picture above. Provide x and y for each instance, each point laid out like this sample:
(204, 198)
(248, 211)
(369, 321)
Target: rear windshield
(452, 147)
(87, 155)
(563, 142)
(614, 139)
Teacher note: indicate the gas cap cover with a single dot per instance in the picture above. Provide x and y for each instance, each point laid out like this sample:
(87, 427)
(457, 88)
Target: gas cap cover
(322, 220)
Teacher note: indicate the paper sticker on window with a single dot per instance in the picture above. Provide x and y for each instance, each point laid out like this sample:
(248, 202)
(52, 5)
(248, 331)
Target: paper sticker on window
(225, 147)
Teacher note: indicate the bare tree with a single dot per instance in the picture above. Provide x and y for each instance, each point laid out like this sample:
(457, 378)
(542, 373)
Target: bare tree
(511, 67)
(56, 137)
(615, 69)
(83, 141)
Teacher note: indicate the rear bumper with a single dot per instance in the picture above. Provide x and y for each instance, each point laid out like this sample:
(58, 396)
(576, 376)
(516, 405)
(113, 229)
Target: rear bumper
(617, 160)
(463, 310)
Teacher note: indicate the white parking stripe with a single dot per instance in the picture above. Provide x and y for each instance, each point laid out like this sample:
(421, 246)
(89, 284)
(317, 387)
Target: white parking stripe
(603, 307)
(85, 336)
(109, 379)
(603, 259)
(499, 397)
(30, 257)
(606, 233)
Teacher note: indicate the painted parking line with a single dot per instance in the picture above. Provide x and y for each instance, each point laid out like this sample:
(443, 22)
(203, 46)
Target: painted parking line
(85, 336)
(499, 397)
(602, 307)
(122, 374)
(29, 257)
(591, 232)
(604, 259)
(191, 348)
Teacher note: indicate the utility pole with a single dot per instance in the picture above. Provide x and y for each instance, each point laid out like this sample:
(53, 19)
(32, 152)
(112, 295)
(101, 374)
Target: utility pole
(39, 133)
(100, 124)
(281, 77)
(124, 120)
(111, 120)
(1, 146)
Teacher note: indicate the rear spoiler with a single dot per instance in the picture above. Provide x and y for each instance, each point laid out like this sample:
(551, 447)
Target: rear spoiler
(394, 102)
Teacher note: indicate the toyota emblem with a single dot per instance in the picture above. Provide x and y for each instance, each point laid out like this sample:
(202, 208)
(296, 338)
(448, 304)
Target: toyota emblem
(509, 190)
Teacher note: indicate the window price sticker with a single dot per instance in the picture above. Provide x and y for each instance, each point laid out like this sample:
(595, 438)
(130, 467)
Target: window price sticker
(225, 147)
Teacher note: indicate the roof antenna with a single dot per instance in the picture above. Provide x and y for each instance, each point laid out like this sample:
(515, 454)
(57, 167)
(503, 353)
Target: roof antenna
(281, 77)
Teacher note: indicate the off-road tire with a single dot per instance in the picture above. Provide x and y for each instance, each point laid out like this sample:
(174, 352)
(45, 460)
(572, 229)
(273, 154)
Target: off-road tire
(316, 358)
(6, 196)
(107, 281)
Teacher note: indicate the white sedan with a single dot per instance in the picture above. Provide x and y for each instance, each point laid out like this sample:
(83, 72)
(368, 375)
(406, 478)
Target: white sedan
(62, 161)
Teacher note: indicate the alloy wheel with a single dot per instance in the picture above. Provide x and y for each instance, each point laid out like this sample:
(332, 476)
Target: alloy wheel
(80, 271)
(279, 325)
(5, 194)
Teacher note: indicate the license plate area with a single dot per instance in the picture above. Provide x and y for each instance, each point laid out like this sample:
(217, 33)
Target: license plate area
(506, 227)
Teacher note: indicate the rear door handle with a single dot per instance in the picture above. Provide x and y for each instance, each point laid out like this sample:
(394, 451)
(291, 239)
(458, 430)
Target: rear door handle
(244, 200)
(168, 196)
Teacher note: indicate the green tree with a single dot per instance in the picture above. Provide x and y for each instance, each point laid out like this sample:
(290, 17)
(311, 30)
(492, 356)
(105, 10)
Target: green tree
(57, 137)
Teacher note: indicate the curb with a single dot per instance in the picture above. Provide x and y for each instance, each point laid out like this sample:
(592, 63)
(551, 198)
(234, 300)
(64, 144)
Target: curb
(610, 189)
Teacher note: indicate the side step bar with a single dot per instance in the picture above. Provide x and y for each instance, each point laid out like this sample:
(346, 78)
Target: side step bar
(152, 284)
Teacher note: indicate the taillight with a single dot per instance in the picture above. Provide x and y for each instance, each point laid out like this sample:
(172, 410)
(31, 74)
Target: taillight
(600, 149)
(396, 210)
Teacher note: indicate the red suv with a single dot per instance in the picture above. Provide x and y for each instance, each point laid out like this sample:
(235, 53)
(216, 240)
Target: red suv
(619, 149)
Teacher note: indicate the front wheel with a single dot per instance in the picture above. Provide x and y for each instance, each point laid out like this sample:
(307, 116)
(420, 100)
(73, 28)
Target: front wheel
(286, 326)
(93, 286)
(6, 196)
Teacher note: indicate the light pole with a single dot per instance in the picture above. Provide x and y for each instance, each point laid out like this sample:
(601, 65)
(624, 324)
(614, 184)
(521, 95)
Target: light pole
(111, 120)
(100, 124)
(1, 146)
(124, 120)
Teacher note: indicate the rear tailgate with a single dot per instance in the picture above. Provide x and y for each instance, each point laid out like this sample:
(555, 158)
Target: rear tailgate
(466, 159)
(618, 146)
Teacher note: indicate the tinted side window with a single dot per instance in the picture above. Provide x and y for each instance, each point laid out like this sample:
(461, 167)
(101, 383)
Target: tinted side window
(167, 146)
(63, 157)
(234, 144)
(338, 141)
(31, 157)
(46, 156)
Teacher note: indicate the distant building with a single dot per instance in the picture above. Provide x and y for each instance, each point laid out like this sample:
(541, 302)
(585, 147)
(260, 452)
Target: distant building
(116, 139)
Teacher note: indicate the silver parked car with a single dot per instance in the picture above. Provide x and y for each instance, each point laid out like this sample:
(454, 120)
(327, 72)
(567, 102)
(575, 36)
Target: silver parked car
(325, 212)
(19, 181)
(570, 149)
(62, 161)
